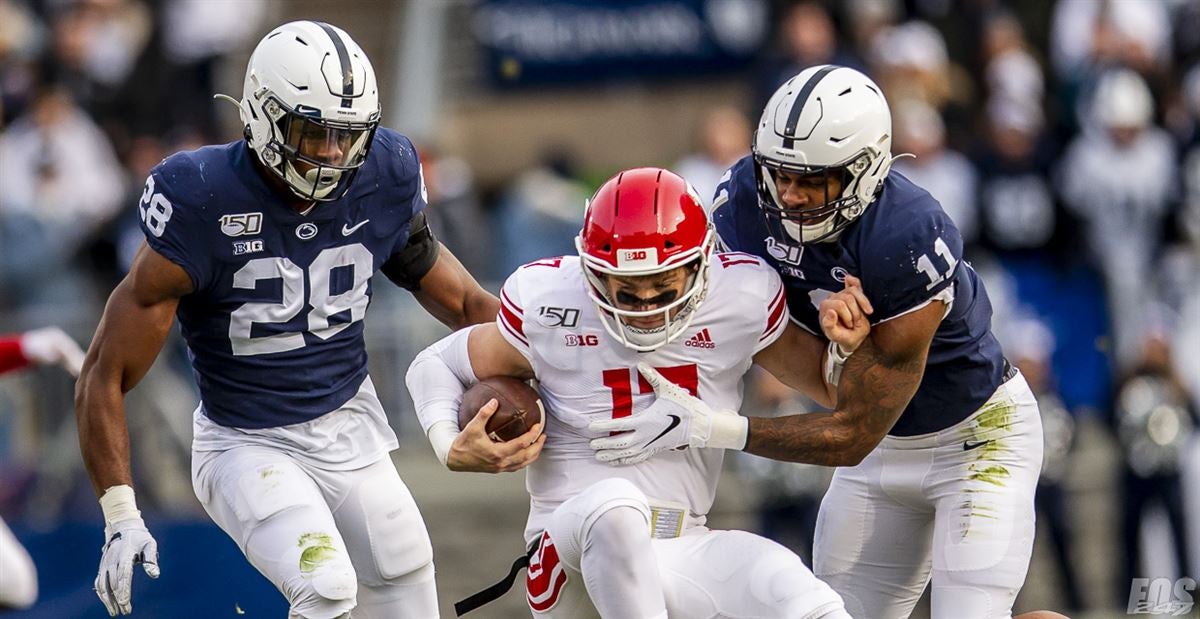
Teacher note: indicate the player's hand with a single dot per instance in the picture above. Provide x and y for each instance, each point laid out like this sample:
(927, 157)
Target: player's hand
(52, 346)
(844, 315)
(676, 420)
(473, 451)
(129, 543)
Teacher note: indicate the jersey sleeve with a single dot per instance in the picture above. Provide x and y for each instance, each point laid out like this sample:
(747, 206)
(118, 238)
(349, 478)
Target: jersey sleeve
(511, 318)
(409, 176)
(916, 264)
(11, 356)
(777, 311)
(722, 214)
(171, 226)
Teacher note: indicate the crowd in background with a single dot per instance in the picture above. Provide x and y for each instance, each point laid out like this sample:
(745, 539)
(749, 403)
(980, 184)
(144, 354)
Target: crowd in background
(1063, 138)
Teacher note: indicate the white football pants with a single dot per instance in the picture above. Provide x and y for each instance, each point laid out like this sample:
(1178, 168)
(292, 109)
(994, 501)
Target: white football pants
(597, 559)
(330, 541)
(955, 504)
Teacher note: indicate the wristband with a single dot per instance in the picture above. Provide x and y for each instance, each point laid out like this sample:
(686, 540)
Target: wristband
(727, 430)
(441, 436)
(835, 360)
(118, 504)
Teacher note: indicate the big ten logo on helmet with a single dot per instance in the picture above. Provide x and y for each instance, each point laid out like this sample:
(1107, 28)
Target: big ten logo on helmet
(633, 258)
(551, 317)
(589, 339)
(1160, 596)
(241, 224)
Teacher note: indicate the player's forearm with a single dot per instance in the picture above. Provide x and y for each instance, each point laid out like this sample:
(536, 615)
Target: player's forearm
(873, 391)
(479, 307)
(103, 436)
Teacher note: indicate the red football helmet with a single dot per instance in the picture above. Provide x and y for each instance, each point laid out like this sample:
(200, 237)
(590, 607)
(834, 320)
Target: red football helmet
(643, 222)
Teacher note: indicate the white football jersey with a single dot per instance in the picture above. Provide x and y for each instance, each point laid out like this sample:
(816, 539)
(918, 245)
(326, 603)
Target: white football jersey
(586, 375)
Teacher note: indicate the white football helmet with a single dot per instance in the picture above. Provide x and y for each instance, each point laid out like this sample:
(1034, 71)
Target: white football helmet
(828, 119)
(310, 105)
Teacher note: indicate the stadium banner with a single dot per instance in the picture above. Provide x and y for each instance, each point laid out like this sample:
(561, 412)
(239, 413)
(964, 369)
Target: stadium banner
(571, 42)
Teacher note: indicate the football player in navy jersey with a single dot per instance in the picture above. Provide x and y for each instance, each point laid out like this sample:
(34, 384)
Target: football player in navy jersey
(265, 248)
(938, 438)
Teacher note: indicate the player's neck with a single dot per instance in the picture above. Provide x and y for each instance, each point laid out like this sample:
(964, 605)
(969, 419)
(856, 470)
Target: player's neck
(291, 200)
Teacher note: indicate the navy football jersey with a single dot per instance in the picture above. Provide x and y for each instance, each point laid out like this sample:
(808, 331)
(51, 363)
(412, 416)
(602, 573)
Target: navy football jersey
(274, 323)
(906, 251)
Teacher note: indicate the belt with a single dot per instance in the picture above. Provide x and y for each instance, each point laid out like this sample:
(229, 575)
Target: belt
(1010, 372)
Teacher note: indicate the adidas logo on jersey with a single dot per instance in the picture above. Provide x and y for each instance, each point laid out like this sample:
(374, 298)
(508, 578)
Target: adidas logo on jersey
(701, 340)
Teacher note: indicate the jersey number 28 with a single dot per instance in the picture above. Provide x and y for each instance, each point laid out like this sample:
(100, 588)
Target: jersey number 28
(323, 304)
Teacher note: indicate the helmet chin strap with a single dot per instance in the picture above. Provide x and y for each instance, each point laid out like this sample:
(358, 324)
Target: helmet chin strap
(324, 184)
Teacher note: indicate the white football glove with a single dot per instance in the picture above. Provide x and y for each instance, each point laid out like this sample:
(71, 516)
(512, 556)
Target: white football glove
(128, 543)
(676, 420)
(52, 345)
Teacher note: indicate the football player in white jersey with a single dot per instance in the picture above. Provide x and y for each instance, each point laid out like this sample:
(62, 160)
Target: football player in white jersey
(646, 310)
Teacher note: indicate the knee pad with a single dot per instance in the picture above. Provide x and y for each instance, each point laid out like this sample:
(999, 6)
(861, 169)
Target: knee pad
(327, 585)
(780, 585)
(572, 522)
(399, 540)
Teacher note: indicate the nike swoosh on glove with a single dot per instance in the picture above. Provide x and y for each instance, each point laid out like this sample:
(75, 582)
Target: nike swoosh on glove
(675, 420)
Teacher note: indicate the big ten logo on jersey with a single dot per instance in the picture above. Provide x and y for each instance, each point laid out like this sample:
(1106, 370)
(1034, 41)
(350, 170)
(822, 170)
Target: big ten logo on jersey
(588, 339)
(247, 247)
(241, 224)
(154, 209)
(551, 317)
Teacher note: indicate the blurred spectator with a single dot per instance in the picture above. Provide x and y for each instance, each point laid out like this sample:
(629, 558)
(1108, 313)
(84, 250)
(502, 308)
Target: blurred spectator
(22, 37)
(807, 38)
(1091, 37)
(541, 212)
(455, 212)
(1118, 177)
(722, 138)
(946, 174)
(911, 63)
(1091, 34)
(59, 183)
(1154, 424)
(196, 34)
(1029, 343)
(1012, 73)
(1016, 200)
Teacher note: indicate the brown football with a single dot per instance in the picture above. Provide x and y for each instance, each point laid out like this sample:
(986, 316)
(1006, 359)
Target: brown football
(520, 407)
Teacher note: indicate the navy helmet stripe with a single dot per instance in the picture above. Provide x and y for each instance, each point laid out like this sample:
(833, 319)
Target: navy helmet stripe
(344, 59)
(801, 99)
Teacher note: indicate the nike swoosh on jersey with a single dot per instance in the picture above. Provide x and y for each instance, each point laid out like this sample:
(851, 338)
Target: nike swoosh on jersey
(671, 426)
(968, 445)
(348, 230)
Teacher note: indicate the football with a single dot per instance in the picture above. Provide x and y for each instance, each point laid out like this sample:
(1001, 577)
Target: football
(520, 407)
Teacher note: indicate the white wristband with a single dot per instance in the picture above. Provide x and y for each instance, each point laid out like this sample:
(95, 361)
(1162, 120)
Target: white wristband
(835, 360)
(118, 504)
(728, 430)
(441, 435)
